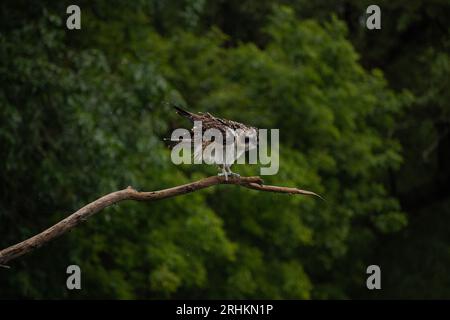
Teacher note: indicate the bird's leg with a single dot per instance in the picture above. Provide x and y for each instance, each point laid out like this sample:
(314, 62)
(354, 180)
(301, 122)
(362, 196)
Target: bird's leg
(224, 171)
(231, 173)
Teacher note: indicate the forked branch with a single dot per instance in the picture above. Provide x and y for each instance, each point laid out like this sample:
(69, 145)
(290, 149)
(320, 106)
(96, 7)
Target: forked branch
(129, 193)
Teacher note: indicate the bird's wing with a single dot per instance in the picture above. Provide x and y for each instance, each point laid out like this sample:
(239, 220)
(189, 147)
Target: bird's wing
(211, 122)
(228, 128)
(232, 124)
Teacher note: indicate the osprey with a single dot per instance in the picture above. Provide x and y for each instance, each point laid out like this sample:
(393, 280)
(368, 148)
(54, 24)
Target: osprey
(239, 138)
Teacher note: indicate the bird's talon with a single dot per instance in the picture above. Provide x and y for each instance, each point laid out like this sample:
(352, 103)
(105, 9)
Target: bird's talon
(225, 174)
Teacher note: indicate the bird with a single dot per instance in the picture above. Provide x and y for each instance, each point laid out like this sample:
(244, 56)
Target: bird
(240, 136)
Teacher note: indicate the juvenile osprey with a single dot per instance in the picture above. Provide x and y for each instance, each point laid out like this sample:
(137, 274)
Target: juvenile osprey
(240, 137)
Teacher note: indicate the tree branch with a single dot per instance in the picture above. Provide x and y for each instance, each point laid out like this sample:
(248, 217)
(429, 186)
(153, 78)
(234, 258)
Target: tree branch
(129, 193)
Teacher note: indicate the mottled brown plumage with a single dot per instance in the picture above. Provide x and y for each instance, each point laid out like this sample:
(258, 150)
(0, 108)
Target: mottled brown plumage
(237, 135)
(211, 122)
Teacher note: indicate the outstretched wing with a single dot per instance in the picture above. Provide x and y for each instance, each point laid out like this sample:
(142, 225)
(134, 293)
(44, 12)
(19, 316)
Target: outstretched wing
(211, 122)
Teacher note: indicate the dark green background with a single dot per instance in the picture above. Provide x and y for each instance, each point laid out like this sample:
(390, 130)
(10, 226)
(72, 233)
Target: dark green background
(364, 120)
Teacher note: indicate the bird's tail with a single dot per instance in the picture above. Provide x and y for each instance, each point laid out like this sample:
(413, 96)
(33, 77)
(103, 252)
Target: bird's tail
(184, 113)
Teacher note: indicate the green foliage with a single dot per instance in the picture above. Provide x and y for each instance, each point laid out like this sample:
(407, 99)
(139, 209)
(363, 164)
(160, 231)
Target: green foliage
(84, 114)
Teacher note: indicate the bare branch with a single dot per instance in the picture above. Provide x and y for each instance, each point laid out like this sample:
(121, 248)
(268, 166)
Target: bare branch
(129, 193)
(277, 189)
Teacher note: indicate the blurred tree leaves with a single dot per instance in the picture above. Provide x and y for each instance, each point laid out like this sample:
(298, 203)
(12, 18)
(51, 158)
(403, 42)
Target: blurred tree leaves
(84, 114)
